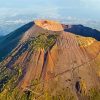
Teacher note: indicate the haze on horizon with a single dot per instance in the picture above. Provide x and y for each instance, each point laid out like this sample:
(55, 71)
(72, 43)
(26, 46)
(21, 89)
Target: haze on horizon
(15, 13)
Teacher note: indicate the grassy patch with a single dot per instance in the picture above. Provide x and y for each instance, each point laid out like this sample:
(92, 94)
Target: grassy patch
(43, 41)
(94, 94)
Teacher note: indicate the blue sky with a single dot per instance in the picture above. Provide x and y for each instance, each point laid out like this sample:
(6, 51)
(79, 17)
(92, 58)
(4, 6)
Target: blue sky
(15, 13)
(85, 9)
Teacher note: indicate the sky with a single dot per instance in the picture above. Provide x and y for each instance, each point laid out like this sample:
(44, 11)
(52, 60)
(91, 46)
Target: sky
(15, 13)
(70, 9)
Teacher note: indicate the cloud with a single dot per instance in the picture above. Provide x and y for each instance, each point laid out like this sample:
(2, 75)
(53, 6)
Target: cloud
(16, 21)
(95, 4)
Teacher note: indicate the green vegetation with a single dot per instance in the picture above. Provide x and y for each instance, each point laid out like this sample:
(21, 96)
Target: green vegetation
(43, 41)
(94, 94)
(84, 41)
(9, 78)
(64, 94)
(8, 82)
(9, 90)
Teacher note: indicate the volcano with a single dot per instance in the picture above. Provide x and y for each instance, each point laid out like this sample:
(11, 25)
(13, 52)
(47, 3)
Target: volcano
(45, 60)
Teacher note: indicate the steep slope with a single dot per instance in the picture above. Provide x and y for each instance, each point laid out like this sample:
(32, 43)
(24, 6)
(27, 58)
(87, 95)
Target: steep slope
(51, 64)
(9, 42)
(83, 31)
(1, 36)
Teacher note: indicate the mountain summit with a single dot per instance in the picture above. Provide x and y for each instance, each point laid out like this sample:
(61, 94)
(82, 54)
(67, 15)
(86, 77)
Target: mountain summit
(44, 61)
(49, 25)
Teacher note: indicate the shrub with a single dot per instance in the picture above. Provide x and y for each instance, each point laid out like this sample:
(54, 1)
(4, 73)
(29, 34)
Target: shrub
(94, 94)
(43, 41)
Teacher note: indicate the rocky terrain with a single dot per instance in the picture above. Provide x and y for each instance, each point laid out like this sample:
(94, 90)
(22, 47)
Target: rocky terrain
(45, 60)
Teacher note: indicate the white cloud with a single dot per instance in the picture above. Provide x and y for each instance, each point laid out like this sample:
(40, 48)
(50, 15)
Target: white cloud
(14, 14)
(91, 3)
(19, 21)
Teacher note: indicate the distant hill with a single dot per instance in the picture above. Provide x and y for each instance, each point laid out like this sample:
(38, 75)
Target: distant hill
(84, 31)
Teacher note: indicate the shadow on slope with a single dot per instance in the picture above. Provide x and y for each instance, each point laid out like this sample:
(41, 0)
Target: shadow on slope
(84, 31)
(10, 41)
(1, 37)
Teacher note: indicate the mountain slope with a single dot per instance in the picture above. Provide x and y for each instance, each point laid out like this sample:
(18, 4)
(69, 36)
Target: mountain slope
(83, 31)
(9, 42)
(50, 64)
